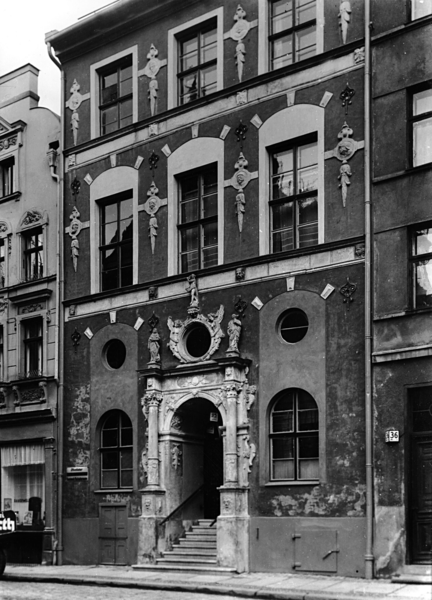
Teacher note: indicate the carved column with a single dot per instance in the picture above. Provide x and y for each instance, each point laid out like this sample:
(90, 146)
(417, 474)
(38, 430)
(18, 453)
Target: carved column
(153, 400)
(231, 469)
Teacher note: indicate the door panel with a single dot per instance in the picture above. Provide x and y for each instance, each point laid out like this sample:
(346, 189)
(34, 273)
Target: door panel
(113, 535)
(421, 500)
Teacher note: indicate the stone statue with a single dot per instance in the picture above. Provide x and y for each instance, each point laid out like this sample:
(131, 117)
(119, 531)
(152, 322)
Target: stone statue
(193, 289)
(344, 18)
(154, 346)
(153, 226)
(240, 202)
(75, 126)
(240, 59)
(344, 177)
(75, 252)
(234, 331)
(153, 95)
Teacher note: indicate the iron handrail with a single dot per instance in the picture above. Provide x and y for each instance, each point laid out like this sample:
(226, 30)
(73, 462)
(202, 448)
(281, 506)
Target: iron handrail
(180, 506)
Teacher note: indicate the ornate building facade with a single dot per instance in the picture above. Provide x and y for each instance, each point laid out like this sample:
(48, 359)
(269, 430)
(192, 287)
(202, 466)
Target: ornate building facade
(29, 141)
(217, 365)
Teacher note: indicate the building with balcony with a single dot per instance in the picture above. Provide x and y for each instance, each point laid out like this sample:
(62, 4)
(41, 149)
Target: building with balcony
(29, 141)
(214, 268)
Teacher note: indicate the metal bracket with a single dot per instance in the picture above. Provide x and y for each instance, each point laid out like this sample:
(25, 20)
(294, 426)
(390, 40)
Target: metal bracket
(329, 552)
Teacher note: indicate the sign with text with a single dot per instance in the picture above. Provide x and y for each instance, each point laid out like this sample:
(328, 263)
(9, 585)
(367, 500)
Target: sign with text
(7, 523)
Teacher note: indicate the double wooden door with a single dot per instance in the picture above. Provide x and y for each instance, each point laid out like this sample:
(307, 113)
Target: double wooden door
(421, 499)
(113, 534)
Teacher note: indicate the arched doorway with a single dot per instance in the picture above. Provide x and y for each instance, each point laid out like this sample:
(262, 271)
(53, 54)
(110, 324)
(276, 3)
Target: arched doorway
(196, 436)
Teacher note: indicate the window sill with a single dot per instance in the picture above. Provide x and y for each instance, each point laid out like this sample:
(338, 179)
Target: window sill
(289, 483)
(15, 196)
(114, 491)
(406, 173)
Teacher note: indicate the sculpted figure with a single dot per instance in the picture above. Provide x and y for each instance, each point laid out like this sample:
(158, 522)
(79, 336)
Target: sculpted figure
(234, 331)
(344, 18)
(75, 126)
(154, 346)
(153, 95)
(193, 289)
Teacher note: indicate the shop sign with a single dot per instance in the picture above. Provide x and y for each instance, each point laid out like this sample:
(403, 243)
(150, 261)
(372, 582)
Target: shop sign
(77, 472)
(6, 523)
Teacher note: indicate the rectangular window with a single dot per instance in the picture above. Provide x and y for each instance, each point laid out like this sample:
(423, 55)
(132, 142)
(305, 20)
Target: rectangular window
(197, 63)
(420, 8)
(115, 102)
(33, 254)
(33, 342)
(116, 242)
(1, 354)
(198, 219)
(6, 177)
(421, 263)
(422, 127)
(294, 196)
(293, 35)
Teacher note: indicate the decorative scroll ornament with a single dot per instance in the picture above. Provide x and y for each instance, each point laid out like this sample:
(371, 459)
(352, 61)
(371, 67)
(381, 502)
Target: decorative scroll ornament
(152, 398)
(3, 228)
(344, 151)
(151, 70)
(346, 96)
(31, 217)
(74, 231)
(239, 181)
(179, 329)
(75, 337)
(344, 18)
(3, 305)
(73, 104)
(359, 55)
(151, 207)
(176, 454)
(75, 187)
(347, 291)
(237, 33)
(247, 454)
(5, 144)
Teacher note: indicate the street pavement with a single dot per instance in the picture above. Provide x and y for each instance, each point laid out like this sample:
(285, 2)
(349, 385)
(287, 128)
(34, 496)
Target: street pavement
(248, 585)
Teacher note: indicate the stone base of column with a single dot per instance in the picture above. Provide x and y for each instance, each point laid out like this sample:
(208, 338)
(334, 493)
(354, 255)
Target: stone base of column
(233, 528)
(153, 512)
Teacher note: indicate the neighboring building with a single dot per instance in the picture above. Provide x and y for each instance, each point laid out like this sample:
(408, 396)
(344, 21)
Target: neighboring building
(402, 180)
(29, 139)
(214, 283)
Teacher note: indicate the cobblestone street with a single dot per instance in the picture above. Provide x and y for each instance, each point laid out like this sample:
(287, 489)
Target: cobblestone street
(17, 590)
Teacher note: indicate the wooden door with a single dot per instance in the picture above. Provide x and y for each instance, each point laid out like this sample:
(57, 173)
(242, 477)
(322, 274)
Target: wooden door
(113, 535)
(421, 500)
(213, 476)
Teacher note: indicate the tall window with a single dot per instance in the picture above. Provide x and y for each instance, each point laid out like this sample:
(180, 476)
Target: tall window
(294, 452)
(33, 254)
(33, 342)
(420, 8)
(116, 451)
(422, 127)
(421, 262)
(116, 96)
(198, 228)
(1, 354)
(294, 196)
(116, 238)
(2, 262)
(23, 481)
(6, 177)
(292, 31)
(197, 63)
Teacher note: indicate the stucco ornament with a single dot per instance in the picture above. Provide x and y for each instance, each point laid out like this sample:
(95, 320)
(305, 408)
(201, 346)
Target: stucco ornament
(359, 55)
(344, 18)
(247, 453)
(73, 104)
(3, 305)
(344, 177)
(151, 70)
(179, 330)
(239, 181)
(234, 332)
(31, 217)
(3, 228)
(344, 151)
(237, 33)
(74, 231)
(347, 291)
(151, 207)
(176, 454)
(150, 398)
(192, 288)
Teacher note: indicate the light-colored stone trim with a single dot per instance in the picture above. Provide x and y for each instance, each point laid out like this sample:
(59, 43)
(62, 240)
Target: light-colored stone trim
(402, 353)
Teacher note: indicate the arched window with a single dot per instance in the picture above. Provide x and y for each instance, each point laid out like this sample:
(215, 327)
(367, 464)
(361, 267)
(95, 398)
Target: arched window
(294, 454)
(116, 451)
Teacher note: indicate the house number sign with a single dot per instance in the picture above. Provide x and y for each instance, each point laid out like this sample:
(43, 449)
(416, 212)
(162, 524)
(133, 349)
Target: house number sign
(391, 435)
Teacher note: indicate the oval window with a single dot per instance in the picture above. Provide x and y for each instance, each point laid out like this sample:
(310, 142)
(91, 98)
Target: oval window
(293, 325)
(198, 340)
(115, 354)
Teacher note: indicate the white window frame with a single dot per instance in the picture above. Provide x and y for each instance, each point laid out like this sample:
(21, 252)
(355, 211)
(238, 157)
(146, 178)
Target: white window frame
(264, 32)
(414, 7)
(22, 232)
(95, 87)
(288, 124)
(195, 154)
(5, 236)
(173, 52)
(107, 184)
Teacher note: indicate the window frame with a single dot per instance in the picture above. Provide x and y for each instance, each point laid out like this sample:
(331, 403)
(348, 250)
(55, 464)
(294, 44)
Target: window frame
(38, 342)
(110, 69)
(176, 34)
(412, 119)
(96, 69)
(295, 198)
(413, 260)
(118, 448)
(38, 251)
(295, 434)
(7, 163)
(201, 221)
(2, 353)
(116, 199)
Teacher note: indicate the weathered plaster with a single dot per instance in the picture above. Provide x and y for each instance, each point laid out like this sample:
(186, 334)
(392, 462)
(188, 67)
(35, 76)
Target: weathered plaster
(79, 427)
(323, 500)
(390, 540)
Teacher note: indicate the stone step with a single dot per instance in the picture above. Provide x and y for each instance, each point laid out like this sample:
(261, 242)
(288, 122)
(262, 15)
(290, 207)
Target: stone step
(210, 570)
(186, 561)
(183, 553)
(195, 544)
(199, 538)
(207, 530)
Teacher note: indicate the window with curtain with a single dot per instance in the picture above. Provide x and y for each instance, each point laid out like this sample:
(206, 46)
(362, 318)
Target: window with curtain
(421, 121)
(116, 451)
(33, 344)
(421, 265)
(23, 480)
(294, 443)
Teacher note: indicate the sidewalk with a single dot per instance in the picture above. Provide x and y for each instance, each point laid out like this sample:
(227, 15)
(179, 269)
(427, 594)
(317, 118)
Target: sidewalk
(247, 585)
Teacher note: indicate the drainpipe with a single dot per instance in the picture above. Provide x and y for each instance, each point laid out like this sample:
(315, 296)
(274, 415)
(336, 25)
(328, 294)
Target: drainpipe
(369, 566)
(58, 544)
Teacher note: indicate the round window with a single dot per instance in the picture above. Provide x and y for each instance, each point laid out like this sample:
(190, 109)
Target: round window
(115, 354)
(198, 341)
(293, 325)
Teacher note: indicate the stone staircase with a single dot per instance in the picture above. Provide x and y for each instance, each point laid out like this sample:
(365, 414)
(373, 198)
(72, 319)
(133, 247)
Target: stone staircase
(195, 551)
